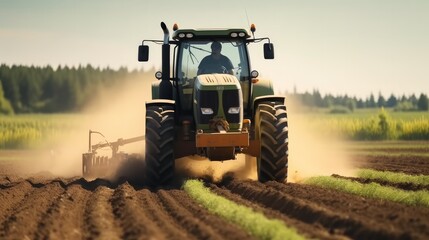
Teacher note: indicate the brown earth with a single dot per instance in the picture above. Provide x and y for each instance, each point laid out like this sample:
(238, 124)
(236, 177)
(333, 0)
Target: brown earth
(42, 206)
(408, 164)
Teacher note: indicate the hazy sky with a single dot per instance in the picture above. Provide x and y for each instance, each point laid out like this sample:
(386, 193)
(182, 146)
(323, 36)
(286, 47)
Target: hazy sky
(337, 46)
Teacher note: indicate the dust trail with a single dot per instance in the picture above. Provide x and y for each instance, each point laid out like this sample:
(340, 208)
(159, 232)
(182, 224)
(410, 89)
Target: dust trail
(312, 153)
(116, 113)
(120, 113)
(243, 167)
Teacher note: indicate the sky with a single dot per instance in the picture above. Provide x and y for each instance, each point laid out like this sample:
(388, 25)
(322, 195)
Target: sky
(354, 47)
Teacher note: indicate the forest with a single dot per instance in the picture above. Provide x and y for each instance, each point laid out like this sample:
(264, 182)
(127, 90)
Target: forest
(33, 89)
(25, 89)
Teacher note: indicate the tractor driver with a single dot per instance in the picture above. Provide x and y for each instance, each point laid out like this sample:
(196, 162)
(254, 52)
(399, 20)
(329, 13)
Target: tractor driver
(215, 62)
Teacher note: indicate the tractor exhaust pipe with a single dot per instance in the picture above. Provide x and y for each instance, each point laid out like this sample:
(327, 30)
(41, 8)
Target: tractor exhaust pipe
(165, 87)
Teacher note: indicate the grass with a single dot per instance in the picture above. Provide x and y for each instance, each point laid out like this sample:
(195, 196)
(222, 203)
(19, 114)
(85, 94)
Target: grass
(394, 177)
(366, 113)
(390, 148)
(29, 130)
(372, 190)
(373, 125)
(253, 222)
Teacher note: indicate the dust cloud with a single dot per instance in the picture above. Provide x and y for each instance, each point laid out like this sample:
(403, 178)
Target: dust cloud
(120, 113)
(243, 167)
(116, 113)
(311, 152)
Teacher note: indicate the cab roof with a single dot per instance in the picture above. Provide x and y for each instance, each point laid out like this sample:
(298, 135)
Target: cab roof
(182, 34)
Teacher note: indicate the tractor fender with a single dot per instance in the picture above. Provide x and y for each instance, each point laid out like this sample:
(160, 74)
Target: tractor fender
(267, 98)
(160, 102)
(155, 90)
(261, 87)
(263, 91)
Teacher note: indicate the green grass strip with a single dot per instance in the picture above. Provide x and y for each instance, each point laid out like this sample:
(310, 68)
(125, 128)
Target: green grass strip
(253, 222)
(394, 177)
(372, 190)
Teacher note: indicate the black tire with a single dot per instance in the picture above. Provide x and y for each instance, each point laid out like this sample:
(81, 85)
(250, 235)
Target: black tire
(272, 164)
(159, 145)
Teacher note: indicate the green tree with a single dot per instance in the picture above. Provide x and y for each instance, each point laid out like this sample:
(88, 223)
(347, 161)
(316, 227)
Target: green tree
(371, 101)
(381, 102)
(392, 101)
(422, 103)
(5, 106)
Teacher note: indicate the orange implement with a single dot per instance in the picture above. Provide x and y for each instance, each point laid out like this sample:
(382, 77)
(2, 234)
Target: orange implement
(228, 139)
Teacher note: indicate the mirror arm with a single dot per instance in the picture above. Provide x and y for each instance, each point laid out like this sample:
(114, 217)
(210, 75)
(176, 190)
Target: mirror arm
(158, 41)
(154, 41)
(256, 40)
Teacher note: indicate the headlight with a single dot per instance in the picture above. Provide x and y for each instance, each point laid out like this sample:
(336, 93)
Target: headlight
(206, 111)
(234, 34)
(181, 35)
(234, 110)
(189, 35)
(242, 34)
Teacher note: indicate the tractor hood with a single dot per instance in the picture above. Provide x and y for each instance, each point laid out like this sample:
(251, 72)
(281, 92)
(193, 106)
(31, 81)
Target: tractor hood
(218, 96)
(217, 82)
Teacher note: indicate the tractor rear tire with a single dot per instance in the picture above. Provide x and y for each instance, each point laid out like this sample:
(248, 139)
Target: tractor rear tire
(272, 164)
(159, 145)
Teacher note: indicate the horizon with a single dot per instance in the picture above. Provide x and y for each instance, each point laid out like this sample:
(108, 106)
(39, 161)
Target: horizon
(285, 91)
(336, 46)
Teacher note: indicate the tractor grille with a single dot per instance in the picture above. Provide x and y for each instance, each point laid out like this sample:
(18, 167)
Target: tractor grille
(207, 99)
(231, 100)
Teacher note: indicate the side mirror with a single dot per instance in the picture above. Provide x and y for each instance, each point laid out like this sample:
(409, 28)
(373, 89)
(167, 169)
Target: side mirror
(268, 51)
(143, 53)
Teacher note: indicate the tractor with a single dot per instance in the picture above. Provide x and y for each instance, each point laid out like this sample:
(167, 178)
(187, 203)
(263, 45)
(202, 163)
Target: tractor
(212, 108)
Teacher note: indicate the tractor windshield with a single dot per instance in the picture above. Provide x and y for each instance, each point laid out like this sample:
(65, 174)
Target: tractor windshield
(205, 57)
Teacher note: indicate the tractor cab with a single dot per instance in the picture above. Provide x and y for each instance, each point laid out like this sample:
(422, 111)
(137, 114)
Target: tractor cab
(195, 58)
(192, 46)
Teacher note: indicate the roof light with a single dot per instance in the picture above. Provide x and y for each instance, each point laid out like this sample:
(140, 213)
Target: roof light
(175, 27)
(189, 35)
(181, 35)
(234, 34)
(252, 28)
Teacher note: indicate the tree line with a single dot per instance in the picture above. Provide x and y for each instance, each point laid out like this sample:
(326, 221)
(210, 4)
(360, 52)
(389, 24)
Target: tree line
(30, 89)
(349, 103)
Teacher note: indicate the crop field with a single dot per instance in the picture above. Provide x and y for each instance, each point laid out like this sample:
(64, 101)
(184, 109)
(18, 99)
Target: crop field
(388, 198)
(30, 130)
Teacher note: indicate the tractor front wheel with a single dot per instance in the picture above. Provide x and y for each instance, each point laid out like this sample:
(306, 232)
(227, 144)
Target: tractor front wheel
(159, 144)
(272, 130)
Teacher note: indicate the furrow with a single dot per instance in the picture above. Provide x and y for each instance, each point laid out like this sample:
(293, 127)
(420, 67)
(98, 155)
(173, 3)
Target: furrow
(311, 231)
(403, 186)
(185, 218)
(219, 225)
(132, 217)
(99, 222)
(153, 209)
(27, 215)
(64, 218)
(410, 221)
(334, 220)
(12, 196)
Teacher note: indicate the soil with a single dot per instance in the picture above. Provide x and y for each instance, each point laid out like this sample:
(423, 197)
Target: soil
(42, 206)
(408, 164)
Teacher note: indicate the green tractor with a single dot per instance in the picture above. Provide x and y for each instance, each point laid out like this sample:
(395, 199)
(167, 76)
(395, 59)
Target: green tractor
(213, 104)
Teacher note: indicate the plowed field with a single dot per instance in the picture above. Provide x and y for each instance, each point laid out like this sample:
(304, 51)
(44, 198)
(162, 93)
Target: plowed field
(45, 207)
